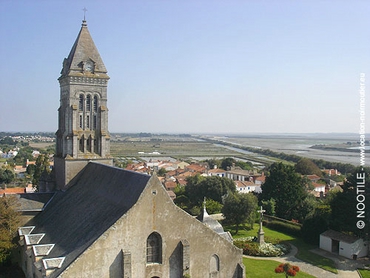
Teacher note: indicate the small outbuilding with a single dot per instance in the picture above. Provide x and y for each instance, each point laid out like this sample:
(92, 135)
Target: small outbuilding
(348, 246)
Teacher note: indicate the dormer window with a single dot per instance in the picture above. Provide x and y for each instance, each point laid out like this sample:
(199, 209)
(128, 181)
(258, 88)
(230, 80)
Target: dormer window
(89, 66)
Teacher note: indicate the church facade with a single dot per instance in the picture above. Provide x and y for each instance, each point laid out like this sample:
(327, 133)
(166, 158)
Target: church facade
(105, 221)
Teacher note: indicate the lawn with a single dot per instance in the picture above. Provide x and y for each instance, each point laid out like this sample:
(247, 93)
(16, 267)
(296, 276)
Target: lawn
(169, 148)
(270, 235)
(265, 268)
(304, 252)
(364, 273)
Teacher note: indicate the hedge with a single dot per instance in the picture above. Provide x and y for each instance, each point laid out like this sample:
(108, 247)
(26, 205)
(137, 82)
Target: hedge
(286, 228)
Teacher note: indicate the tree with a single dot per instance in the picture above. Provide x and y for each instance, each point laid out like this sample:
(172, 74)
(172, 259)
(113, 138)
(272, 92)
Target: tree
(213, 187)
(9, 222)
(42, 164)
(31, 169)
(213, 163)
(244, 165)
(23, 154)
(239, 208)
(306, 166)
(269, 206)
(312, 228)
(285, 186)
(161, 172)
(227, 163)
(6, 176)
(347, 205)
(8, 141)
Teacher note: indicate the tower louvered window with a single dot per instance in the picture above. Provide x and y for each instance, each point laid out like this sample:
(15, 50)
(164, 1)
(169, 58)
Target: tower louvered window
(88, 103)
(95, 103)
(81, 103)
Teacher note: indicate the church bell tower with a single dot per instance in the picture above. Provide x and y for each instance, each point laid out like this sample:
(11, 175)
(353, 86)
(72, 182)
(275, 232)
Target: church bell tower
(82, 134)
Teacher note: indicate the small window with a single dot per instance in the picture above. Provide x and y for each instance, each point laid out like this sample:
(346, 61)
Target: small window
(154, 248)
(88, 121)
(80, 121)
(214, 264)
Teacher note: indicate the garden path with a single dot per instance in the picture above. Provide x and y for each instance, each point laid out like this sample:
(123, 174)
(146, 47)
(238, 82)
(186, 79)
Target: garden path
(346, 268)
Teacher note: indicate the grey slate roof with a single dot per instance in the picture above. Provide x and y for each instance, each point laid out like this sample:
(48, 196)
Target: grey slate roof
(33, 202)
(96, 199)
(213, 224)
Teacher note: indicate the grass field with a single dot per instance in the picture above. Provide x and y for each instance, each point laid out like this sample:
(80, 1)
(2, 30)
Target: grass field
(304, 252)
(265, 269)
(270, 235)
(175, 149)
(364, 273)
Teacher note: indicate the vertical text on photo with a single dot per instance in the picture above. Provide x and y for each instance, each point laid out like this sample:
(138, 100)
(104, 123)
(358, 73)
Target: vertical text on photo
(360, 175)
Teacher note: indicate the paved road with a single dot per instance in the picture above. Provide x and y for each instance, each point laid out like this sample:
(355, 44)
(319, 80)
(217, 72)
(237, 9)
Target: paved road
(346, 268)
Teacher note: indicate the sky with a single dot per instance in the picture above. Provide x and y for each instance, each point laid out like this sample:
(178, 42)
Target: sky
(193, 66)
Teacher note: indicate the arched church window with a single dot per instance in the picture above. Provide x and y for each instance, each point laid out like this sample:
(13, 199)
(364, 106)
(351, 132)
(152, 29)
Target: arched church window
(214, 264)
(88, 144)
(154, 248)
(96, 146)
(81, 102)
(95, 103)
(88, 103)
(81, 147)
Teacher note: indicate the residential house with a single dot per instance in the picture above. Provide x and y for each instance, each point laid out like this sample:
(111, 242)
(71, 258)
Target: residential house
(247, 187)
(348, 246)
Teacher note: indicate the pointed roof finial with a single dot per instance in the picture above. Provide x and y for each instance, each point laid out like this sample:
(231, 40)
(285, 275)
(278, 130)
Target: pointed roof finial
(85, 10)
(84, 21)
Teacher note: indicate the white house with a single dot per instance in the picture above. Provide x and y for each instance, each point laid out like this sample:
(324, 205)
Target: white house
(345, 245)
(319, 187)
(247, 187)
(217, 172)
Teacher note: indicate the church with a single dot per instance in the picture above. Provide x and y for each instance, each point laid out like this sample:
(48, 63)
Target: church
(104, 221)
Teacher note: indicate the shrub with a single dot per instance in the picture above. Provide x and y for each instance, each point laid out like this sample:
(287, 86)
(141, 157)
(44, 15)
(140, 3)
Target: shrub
(288, 269)
(264, 250)
(312, 228)
(279, 269)
(295, 268)
(291, 272)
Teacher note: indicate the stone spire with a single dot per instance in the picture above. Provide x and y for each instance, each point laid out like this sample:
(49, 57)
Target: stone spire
(84, 58)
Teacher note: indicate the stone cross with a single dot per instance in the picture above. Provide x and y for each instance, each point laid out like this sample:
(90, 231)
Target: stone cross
(261, 211)
(85, 10)
(261, 233)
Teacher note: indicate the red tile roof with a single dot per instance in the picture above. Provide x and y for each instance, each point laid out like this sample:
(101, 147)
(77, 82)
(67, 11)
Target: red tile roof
(15, 190)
